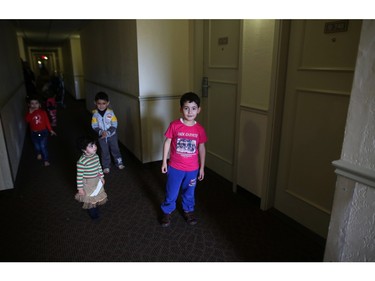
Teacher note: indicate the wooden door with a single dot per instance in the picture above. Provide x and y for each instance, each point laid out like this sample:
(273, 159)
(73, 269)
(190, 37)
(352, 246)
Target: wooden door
(221, 60)
(321, 62)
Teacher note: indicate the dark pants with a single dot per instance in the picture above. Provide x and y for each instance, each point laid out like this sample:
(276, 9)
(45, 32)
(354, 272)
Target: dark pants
(40, 140)
(110, 146)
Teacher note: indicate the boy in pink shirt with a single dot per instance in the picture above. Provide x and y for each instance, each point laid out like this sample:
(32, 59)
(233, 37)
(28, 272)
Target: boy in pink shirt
(185, 143)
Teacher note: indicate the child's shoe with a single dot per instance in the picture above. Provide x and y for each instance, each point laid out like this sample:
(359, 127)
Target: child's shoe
(190, 218)
(39, 157)
(121, 166)
(166, 220)
(106, 171)
(93, 213)
(46, 163)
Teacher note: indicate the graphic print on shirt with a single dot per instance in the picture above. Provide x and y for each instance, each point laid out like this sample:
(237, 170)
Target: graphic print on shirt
(109, 118)
(37, 119)
(186, 146)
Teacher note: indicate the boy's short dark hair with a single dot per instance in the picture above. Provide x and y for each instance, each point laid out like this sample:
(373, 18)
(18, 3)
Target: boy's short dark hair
(84, 141)
(190, 97)
(101, 96)
(32, 97)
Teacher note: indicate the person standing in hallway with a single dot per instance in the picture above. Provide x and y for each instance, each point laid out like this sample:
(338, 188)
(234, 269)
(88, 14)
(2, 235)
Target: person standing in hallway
(104, 123)
(40, 126)
(185, 143)
(90, 177)
(29, 78)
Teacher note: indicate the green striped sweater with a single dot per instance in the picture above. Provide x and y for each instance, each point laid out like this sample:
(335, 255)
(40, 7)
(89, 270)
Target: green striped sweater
(88, 167)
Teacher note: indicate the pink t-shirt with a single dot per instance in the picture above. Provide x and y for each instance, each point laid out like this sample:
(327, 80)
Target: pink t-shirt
(184, 145)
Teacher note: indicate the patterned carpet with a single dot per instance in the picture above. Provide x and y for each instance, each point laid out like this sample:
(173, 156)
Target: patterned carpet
(41, 221)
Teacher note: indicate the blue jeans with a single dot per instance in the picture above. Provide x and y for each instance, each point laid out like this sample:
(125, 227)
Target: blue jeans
(177, 179)
(40, 139)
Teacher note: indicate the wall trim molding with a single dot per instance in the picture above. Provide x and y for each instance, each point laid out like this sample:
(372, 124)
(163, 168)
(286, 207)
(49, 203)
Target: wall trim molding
(354, 172)
(322, 92)
(329, 69)
(111, 89)
(219, 157)
(153, 98)
(254, 109)
(140, 98)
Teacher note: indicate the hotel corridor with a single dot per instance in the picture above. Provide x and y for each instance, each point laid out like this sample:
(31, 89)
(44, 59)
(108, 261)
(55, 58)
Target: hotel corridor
(41, 221)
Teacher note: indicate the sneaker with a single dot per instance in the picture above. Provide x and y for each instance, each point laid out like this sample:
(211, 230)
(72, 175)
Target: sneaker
(93, 213)
(46, 163)
(190, 218)
(39, 157)
(166, 220)
(106, 171)
(121, 166)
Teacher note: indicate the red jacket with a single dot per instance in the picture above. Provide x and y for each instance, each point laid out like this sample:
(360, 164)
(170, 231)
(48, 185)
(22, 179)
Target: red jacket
(38, 120)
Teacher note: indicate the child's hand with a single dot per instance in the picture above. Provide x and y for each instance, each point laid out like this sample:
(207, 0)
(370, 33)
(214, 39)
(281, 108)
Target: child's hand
(201, 174)
(104, 134)
(164, 168)
(53, 133)
(103, 181)
(81, 191)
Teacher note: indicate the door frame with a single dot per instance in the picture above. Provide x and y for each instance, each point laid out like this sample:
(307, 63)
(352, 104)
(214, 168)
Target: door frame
(275, 112)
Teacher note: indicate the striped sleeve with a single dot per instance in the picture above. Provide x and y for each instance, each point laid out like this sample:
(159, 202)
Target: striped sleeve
(80, 172)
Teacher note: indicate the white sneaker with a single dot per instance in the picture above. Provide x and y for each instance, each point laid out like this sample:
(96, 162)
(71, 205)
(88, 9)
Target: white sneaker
(121, 166)
(106, 171)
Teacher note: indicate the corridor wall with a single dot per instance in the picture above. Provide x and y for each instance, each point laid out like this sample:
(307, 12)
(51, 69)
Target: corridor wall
(144, 67)
(12, 106)
(109, 55)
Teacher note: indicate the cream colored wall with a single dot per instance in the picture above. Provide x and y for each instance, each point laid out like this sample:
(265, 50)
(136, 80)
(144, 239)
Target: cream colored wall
(163, 57)
(257, 55)
(145, 66)
(109, 53)
(78, 74)
(164, 75)
(12, 106)
(156, 115)
(21, 47)
(256, 64)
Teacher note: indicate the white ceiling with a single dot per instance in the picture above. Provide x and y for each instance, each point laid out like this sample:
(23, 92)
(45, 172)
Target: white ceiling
(48, 32)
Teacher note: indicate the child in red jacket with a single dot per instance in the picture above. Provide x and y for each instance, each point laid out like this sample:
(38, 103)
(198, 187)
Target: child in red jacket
(40, 126)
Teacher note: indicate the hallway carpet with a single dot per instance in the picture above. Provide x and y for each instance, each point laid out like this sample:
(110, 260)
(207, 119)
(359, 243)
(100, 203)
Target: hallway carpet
(41, 221)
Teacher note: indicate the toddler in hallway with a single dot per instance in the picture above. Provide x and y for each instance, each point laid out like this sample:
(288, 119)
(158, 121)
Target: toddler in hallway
(40, 128)
(185, 142)
(90, 178)
(104, 123)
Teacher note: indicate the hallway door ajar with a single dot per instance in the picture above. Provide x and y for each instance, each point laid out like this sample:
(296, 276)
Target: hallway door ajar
(321, 62)
(221, 57)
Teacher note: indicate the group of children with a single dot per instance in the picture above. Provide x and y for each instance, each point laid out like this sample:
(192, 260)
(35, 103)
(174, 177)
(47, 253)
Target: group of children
(183, 161)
